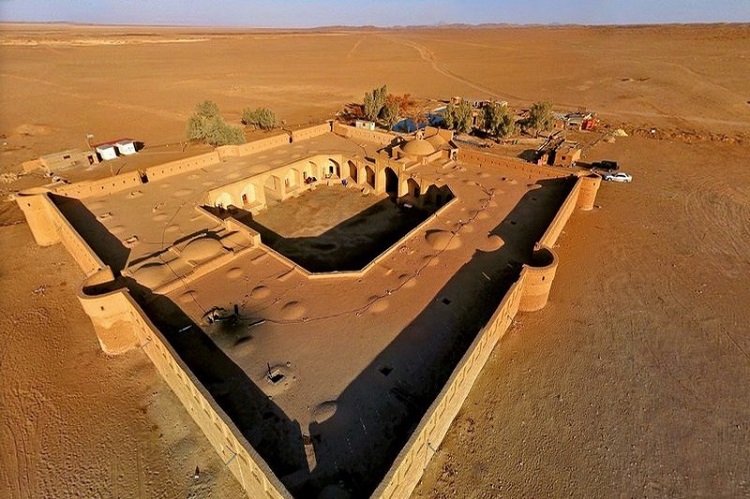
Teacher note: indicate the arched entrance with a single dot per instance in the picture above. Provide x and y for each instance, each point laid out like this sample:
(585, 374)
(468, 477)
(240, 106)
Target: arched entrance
(333, 169)
(391, 182)
(413, 188)
(370, 176)
(291, 180)
(248, 195)
(272, 188)
(312, 170)
(352, 171)
(224, 200)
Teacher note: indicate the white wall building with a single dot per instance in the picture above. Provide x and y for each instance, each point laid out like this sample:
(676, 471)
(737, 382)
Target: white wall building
(106, 151)
(125, 147)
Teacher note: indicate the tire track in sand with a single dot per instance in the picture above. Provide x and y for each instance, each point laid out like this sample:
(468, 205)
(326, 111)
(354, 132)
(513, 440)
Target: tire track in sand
(350, 54)
(428, 56)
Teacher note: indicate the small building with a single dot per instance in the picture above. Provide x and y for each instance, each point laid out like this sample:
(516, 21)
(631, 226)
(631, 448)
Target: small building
(589, 124)
(365, 125)
(125, 147)
(568, 154)
(106, 151)
(581, 121)
(559, 121)
(62, 160)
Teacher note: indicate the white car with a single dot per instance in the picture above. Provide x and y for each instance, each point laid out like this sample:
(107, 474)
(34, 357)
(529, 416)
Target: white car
(618, 177)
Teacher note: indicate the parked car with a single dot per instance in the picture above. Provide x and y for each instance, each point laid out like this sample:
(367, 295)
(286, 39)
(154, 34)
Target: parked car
(617, 177)
(608, 165)
(605, 165)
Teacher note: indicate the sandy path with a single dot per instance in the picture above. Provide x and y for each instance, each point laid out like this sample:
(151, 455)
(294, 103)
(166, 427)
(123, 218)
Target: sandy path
(701, 82)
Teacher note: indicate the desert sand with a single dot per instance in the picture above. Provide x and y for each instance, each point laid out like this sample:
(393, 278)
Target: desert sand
(633, 380)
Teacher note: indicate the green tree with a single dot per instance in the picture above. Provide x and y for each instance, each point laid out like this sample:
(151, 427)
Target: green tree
(375, 102)
(380, 95)
(207, 125)
(540, 117)
(390, 111)
(261, 117)
(459, 117)
(371, 110)
(498, 121)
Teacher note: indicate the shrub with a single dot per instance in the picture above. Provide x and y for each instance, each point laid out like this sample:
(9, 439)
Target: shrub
(374, 102)
(261, 117)
(207, 125)
(459, 117)
(390, 112)
(497, 120)
(540, 116)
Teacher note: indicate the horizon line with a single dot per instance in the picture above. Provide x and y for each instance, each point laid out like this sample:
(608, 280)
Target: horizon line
(375, 26)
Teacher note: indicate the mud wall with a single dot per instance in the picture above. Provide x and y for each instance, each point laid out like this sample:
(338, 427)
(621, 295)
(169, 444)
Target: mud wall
(530, 170)
(85, 189)
(126, 324)
(562, 216)
(362, 134)
(182, 165)
(49, 226)
(252, 472)
(530, 290)
(409, 466)
(310, 132)
(263, 144)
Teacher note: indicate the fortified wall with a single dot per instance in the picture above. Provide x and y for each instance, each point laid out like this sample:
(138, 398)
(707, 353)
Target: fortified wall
(120, 323)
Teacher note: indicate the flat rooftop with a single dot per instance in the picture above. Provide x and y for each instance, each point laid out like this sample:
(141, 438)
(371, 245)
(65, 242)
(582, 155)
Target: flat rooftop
(155, 215)
(327, 375)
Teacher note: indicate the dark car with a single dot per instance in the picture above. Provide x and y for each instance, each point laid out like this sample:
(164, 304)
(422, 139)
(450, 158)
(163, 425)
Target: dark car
(610, 166)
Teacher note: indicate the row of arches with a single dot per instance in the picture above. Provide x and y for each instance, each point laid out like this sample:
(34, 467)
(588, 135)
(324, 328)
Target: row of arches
(258, 191)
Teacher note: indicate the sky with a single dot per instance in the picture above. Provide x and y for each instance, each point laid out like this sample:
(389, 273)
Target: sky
(312, 13)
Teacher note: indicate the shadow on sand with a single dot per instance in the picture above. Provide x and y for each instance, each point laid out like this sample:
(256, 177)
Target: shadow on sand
(109, 249)
(349, 245)
(276, 437)
(378, 411)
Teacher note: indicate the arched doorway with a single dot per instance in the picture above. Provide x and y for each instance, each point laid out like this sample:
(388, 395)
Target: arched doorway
(391, 182)
(248, 195)
(272, 189)
(370, 176)
(413, 188)
(312, 170)
(352, 171)
(333, 169)
(224, 201)
(291, 179)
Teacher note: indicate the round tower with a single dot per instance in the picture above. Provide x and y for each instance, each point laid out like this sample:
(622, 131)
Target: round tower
(109, 311)
(539, 274)
(589, 187)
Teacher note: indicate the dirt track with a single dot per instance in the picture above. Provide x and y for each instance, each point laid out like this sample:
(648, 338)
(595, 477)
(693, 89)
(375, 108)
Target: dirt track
(633, 381)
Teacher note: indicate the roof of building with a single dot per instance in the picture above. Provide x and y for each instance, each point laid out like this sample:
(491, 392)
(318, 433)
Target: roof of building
(418, 147)
(437, 141)
(61, 154)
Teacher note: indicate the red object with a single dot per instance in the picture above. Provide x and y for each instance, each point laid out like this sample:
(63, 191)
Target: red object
(111, 142)
(588, 124)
